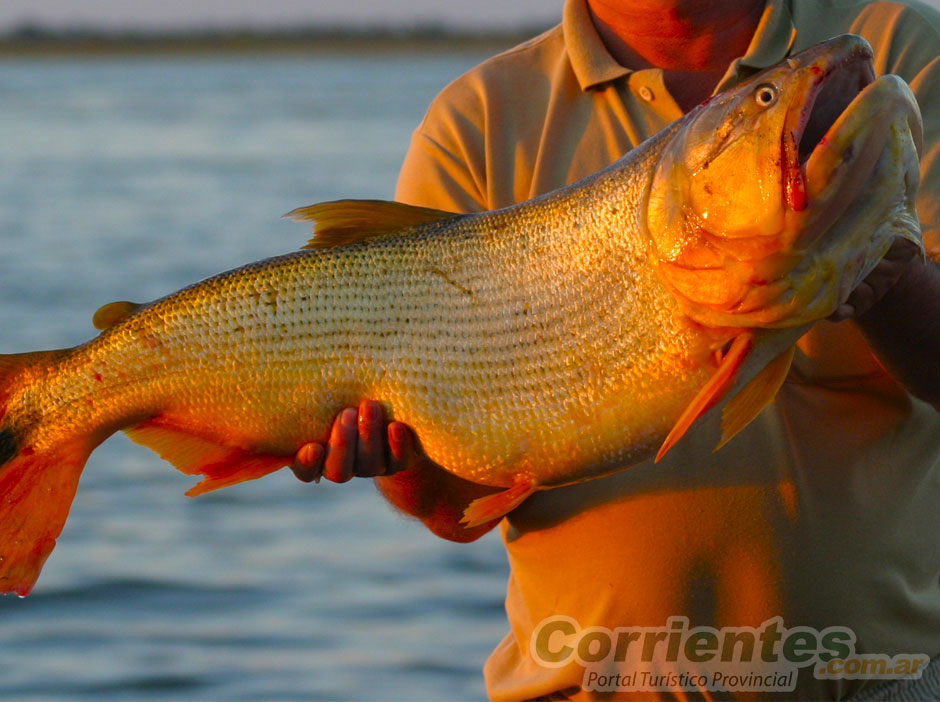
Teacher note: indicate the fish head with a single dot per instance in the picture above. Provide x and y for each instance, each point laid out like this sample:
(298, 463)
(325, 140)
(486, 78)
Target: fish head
(772, 200)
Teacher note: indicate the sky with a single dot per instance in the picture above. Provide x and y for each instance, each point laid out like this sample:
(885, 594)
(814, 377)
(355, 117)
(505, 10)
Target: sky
(178, 14)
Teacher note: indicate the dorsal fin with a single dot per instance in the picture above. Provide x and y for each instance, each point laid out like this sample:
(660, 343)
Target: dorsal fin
(108, 315)
(345, 221)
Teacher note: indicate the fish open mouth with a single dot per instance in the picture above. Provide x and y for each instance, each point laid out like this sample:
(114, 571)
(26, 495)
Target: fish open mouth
(833, 90)
(857, 142)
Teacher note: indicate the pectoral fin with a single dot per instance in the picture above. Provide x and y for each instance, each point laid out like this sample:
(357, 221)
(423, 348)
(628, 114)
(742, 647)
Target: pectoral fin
(485, 509)
(712, 392)
(754, 396)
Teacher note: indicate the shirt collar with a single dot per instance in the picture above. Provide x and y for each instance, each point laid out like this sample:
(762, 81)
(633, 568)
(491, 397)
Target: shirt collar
(772, 42)
(593, 64)
(591, 61)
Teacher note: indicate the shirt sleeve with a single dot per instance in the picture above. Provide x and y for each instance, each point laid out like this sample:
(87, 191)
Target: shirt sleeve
(446, 164)
(433, 176)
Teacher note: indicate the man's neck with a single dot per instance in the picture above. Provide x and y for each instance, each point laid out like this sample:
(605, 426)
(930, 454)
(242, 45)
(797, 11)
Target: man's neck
(677, 35)
(693, 41)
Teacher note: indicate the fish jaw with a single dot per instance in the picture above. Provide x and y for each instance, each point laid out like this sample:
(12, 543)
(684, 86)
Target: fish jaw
(862, 179)
(777, 197)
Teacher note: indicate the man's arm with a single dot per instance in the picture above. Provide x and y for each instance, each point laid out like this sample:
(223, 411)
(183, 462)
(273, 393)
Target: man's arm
(897, 308)
(903, 329)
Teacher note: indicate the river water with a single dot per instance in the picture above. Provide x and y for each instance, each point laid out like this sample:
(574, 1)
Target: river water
(127, 179)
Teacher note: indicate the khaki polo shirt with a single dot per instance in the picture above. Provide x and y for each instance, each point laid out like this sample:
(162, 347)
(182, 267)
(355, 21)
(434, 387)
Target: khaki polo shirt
(825, 511)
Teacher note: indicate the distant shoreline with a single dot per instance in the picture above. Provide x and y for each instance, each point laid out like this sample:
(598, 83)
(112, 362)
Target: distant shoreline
(33, 42)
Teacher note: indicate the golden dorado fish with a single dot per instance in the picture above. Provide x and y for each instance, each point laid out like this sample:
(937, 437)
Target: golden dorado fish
(531, 347)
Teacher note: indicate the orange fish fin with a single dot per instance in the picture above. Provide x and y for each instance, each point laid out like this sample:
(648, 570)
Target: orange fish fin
(711, 392)
(485, 509)
(754, 396)
(345, 221)
(108, 315)
(220, 465)
(36, 485)
(37, 490)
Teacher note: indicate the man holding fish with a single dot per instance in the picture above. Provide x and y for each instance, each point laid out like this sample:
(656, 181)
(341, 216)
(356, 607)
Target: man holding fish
(823, 511)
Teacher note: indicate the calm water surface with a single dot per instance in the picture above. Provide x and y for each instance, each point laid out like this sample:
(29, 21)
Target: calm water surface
(127, 179)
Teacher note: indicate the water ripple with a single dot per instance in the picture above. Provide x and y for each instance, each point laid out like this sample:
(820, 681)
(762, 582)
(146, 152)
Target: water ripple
(127, 180)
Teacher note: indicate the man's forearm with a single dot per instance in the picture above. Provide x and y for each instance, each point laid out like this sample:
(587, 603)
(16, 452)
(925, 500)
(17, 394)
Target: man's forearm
(903, 329)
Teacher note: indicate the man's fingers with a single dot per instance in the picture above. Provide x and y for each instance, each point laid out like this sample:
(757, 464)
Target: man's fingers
(884, 276)
(308, 462)
(843, 312)
(370, 447)
(357, 447)
(341, 449)
(863, 296)
(877, 284)
(901, 250)
(401, 447)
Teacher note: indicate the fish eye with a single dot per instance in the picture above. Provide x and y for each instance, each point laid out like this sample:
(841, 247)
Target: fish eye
(765, 94)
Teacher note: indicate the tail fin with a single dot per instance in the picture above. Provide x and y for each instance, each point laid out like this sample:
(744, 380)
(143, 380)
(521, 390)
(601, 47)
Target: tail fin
(36, 486)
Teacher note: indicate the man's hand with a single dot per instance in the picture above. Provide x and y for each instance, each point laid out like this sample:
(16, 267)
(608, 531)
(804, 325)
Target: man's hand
(357, 447)
(882, 278)
(409, 480)
(897, 308)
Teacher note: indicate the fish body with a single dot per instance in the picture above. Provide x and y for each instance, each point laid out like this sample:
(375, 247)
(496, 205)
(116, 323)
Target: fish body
(530, 347)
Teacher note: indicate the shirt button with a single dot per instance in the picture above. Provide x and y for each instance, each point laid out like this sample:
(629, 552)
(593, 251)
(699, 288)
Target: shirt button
(646, 93)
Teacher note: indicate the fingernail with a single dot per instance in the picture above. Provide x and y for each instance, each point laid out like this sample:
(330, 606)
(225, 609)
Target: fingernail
(397, 438)
(307, 455)
(348, 418)
(397, 432)
(366, 412)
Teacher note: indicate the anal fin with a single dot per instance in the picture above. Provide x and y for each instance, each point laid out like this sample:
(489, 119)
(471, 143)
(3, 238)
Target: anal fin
(754, 396)
(490, 507)
(711, 392)
(221, 465)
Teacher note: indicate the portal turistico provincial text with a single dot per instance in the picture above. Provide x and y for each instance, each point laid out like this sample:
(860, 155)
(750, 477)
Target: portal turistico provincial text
(753, 659)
